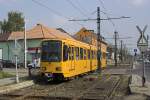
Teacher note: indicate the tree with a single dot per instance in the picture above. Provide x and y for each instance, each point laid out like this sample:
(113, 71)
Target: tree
(4, 27)
(15, 22)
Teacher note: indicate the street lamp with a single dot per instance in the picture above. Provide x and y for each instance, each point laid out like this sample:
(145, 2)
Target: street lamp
(25, 46)
(16, 59)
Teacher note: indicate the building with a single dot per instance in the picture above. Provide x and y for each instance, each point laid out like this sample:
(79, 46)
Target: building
(88, 36)
(34, 38)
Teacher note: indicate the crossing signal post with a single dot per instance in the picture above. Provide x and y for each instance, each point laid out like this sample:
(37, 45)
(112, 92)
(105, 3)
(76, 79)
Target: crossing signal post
(142, 44)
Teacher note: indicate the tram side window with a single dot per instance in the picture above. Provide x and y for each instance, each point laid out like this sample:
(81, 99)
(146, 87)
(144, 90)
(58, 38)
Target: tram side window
(81, 53)
(72, 53)
(88, 54)
(92, 54)
(84, 54)
(77, 53)
(69, 50)
(65, 53)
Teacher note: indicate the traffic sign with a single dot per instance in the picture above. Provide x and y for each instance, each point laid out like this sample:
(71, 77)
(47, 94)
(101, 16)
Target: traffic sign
(142, 42)
(135, 50)
(16, 49)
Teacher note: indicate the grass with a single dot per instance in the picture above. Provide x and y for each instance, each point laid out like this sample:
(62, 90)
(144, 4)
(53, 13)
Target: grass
(5, 75)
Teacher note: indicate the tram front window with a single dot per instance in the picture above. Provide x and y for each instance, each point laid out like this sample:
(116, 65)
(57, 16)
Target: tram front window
(51, 51)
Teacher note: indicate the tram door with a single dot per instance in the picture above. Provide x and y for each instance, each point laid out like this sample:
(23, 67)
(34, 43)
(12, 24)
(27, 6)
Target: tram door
(89, 59)
(85, 58)
(73, 58)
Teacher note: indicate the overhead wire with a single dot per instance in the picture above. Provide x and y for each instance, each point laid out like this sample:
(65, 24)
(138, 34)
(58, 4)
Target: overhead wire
(81, 7)
(53, 11)
(81, 10)
(106, 14)
(75, 7)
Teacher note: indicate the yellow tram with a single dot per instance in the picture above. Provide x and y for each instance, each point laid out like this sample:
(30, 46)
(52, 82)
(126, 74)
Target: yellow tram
(64, 58)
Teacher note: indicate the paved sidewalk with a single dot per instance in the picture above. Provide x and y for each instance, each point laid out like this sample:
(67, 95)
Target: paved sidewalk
(11, 80)
(21, 72)
(135, 97)
(7, 81)
(13, 87)
(136, 86)
(115, 71)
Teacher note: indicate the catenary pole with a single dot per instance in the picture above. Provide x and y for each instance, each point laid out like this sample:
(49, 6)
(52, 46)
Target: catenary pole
(98, 39)
(121, 52)
(116, 47)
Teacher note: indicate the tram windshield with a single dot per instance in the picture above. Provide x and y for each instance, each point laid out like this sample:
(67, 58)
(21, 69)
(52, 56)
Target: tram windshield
(51, 51)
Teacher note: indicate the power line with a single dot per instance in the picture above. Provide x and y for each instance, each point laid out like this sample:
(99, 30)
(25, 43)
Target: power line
(94, 12)
(102, 4)
(53, 11)
(121, 38)
(49, 9)
(106, 14)
(82, 8)
(75, 7)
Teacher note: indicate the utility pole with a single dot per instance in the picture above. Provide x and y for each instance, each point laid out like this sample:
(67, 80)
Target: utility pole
(121, 52)
(115, 33)
(99, 39)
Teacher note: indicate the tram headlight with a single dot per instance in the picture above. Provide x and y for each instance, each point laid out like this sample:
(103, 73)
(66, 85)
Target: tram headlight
(43, 68)
(58, 68)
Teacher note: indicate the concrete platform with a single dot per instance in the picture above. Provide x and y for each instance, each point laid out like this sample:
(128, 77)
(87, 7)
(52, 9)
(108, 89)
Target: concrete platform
(136, 86)
(6, 81)
(13, 87)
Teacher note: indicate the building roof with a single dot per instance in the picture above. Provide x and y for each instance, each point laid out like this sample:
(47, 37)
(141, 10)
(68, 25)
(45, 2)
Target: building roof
(40, 32)
(4, 37)
(88, 32)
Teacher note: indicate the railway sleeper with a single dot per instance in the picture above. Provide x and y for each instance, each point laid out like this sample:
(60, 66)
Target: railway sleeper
(92, 98)
(11, 95)
(46, 98)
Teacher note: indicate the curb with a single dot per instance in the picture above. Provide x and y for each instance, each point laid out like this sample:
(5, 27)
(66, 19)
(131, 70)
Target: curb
(9, 88)
(136, 86)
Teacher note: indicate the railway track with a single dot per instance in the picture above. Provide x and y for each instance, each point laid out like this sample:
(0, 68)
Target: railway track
(25, 92)
(91, 88)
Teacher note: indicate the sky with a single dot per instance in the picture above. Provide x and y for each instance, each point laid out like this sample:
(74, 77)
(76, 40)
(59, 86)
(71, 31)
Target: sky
(57, 13)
